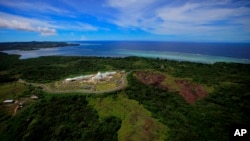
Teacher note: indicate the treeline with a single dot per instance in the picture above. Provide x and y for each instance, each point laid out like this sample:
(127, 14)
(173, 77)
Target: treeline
(32, 45)
(47, 69)
(51, 68)
(60, 118)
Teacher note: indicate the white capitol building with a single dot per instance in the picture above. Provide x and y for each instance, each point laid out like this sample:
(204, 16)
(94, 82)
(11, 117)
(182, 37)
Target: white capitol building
(93, 78)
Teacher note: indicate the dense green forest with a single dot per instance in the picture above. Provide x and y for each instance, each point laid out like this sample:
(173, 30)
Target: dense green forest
(70, 117)
(32, 45)
(49, 120)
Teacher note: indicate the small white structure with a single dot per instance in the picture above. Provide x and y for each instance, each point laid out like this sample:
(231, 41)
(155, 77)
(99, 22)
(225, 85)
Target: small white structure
(111, 73)
(82, 77)
(68, 79)
(104, 75)
(8, 101)
(34, 97)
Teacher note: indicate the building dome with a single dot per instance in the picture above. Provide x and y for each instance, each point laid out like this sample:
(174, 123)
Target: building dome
(99, 75)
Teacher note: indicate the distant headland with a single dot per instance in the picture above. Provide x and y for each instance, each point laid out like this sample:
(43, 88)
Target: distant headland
(34, 45)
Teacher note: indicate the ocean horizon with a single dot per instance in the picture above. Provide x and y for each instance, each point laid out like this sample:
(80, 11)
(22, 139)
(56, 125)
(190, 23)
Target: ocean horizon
(208, 53)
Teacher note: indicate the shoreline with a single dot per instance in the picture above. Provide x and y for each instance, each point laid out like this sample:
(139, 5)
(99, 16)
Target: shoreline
(122, 53)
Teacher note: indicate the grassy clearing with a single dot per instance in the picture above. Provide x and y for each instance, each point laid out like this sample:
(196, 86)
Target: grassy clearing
(170, 81)
(105, 86)
(11, 90)
(137, 123)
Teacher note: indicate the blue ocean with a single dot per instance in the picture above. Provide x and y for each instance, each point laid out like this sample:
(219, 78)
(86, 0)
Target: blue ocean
(179, 51)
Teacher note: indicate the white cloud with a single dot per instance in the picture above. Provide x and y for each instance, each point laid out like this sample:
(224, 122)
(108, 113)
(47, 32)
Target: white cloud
(15, 24)
(199, 13)
(26, 24)
(45, 31)
(131, 12)
(133, 5)
(76, 26)
(45, 28)
(201, 19)
(204, 18)
(33, 6)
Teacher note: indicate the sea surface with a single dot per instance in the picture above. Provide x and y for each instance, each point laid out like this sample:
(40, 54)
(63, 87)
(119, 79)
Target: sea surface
(179, 51)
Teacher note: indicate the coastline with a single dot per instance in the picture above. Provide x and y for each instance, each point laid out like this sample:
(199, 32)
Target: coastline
(175, 56)
(207, 53)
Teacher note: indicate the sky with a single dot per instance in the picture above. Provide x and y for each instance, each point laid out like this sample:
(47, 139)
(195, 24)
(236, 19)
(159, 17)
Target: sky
(150, 20)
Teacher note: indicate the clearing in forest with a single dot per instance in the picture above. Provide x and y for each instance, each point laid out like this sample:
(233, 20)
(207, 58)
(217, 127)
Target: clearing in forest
(93, 82)
(189, 90)
(137, 122)
(10, 91)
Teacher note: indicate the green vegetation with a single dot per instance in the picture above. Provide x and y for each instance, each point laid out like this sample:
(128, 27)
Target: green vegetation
(32, 45)
(60, 118)
(105, 116)
(11, 90)
(105, 86)
(137, 123)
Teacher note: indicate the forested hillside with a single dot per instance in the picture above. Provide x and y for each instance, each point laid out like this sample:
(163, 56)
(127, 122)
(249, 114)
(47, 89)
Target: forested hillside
(165, 113)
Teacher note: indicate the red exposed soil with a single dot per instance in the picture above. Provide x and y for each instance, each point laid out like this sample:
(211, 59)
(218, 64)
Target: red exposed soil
(150, 78)
(189, 91)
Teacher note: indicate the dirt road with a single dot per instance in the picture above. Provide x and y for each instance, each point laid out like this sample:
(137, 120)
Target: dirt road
(15, 110)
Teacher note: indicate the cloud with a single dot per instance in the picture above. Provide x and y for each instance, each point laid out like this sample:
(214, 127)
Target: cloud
(45, 28)
(187, 19)
(83, 38)
(197, 19)
(75, 26)
(199, 13)
(85, 27)
(130, 12)
(45, 31)
(25, 24)
(15, 25)
(33, 6)
(203, 19)
(133, 5)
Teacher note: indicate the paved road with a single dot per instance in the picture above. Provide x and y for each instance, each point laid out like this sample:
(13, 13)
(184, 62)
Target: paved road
(48, 90)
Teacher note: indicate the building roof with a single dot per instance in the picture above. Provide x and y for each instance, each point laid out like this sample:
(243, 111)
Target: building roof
(8, 101)
(34, 97)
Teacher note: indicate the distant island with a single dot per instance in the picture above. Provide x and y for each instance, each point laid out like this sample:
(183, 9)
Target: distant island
(33, 45)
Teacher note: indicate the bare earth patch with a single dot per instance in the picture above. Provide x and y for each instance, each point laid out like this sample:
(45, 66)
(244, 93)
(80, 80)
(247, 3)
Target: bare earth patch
(150, 78)
(190, 91)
